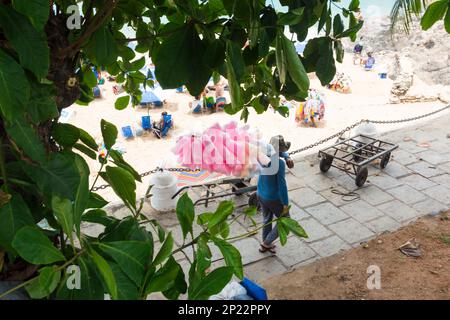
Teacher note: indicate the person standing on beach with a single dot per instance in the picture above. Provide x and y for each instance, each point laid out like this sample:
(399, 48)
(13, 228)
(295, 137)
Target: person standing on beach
(272, 191)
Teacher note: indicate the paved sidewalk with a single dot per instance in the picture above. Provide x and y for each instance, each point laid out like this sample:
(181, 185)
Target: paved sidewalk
(416, 182)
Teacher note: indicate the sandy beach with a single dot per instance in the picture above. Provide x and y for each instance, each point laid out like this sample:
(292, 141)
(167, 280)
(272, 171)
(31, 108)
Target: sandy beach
(369, 100)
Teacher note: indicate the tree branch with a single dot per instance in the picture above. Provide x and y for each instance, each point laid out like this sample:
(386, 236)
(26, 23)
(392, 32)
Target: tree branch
(96, 22)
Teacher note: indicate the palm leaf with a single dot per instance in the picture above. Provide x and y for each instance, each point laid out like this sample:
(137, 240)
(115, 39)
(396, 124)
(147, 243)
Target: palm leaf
(404, 10)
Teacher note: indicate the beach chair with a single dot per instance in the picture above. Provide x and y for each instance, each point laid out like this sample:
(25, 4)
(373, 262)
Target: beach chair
(146, 122)
(167, 125)
(127, 132)
(162, 132)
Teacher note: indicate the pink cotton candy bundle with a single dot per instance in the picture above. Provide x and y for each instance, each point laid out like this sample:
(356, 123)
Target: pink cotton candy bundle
(227, 149)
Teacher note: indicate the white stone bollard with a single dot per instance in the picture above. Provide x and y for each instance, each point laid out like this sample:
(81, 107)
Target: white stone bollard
(164, 187)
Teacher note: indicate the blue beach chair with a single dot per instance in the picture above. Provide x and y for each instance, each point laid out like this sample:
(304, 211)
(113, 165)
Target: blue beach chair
(146, 123)
(127, 132)
(167, 125)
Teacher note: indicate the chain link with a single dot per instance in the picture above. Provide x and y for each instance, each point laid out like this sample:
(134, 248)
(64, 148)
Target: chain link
(147, 173)
(315, 144)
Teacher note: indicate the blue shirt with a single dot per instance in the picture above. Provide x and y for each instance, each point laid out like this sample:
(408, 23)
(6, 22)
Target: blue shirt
(273, 187)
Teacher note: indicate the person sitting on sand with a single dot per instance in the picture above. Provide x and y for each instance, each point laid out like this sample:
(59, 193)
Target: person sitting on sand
(165, 123)
(196, 105)
(369, 62)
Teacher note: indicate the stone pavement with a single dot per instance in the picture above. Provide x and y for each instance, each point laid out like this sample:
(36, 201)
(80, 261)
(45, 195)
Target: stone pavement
(416, 182)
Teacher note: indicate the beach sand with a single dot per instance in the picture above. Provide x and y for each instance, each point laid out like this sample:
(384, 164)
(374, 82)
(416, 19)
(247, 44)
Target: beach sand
(369, 100)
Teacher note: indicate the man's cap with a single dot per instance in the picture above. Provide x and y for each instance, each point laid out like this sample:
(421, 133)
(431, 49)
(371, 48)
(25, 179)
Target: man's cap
(279, 144)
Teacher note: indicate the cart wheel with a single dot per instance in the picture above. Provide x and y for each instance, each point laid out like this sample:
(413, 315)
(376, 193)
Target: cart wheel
(385, 160)
(325, 163)
(361, 176)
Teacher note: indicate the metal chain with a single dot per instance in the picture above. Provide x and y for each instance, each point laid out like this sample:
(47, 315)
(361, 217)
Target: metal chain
(147, 173)
(315, 144)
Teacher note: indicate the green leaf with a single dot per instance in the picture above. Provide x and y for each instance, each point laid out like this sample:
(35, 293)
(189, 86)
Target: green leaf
(33, 246)
(294, 65)
(179, 286)
(281, 58)
(283, 233)
(109, 133)
(87, 139)
(291, 17)
(90, 286)
(82, 148)
(180, 61)
(231, 255)
(42, 105)
(105, 271)
(122, 102)
(120, 162)
(14, 87)
(30, 44)
(96, 201)
(102, 47)
(434, 13)
(126, 229)
(131, 256)
(88, 77)
(45, 284)
(325, 68)
(185, 213)
(59, 177)
(82, 193)
(338, 25)
(13, 215)
(98, 216)
(354, 5)
(62, 208)
(123, 184)
(65, 134)
(126, 289)
(164, 278)
(232, 76)
(222, 212)
(212, 284)
(447, 20)
(165, 251)
(293, 226)
(25, 137)
(339, 49)
(36, 10)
